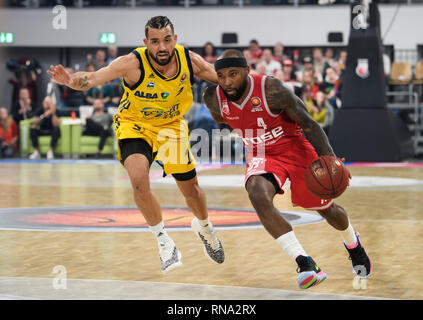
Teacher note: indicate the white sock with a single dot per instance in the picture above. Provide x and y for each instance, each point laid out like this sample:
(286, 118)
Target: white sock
(159, 231)
(205, 223)
(290, 244)
(349, 236)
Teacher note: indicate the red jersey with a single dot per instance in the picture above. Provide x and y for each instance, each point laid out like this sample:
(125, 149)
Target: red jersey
(286, 152)
(260, 129)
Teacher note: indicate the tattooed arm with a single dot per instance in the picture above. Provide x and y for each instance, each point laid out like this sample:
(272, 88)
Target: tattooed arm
(280, 98)
(210, 99)
(124, 66)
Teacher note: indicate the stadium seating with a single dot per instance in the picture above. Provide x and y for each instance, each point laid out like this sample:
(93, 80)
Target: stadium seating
(401, 73)
(63, 146)
(88, 145)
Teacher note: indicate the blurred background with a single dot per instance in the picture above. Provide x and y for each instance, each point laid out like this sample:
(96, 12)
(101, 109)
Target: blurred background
(309, 44)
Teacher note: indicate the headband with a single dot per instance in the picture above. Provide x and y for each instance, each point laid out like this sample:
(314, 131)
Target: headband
(230, 62)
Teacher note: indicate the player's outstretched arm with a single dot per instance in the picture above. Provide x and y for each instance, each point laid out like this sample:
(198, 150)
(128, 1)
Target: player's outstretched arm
(210, 99)
(202, 68)
(281, 98)
(86, 80)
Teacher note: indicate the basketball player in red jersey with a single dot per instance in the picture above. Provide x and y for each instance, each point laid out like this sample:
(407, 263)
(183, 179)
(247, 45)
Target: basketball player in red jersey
(281, 140)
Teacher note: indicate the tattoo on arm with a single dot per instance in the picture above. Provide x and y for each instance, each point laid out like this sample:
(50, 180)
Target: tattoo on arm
(210, 100)
(281, 99)
(82, 80)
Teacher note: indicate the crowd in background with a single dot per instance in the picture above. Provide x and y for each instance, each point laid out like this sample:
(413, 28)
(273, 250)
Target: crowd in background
(108, 3)
(314, 75)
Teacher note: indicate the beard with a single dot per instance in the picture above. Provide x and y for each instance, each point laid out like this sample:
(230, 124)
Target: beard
(162, 62)
(238, 92)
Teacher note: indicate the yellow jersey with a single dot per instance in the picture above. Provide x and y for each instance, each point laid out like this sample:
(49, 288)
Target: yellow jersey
(156, 100)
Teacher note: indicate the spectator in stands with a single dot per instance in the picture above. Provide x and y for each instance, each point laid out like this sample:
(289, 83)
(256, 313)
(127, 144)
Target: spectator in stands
(271, 64)
(308, 65)
(46, 123)
(318, 61)
(250, 62)
(330, 87)
(70, 99)
(89, 60)
(261, 70)
(99, 124)
(112, 53)
(23, 80)
(8, 135)
(209, 55)
(209, 52)
(329, 54)
(318, 108)
(23, 108)
(296, 59)
(328, 58)
(104, 92)
(279, 52)
(288, 70)
(340, 74)
(309, 81)
(255, 50)
(100, 59)
(343, 59)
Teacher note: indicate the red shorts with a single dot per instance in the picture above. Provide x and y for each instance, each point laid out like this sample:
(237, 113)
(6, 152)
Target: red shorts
(290, 165)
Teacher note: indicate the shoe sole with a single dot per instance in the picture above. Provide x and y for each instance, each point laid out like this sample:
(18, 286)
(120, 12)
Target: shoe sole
(204, 248)
(175, 265)
(312, 280)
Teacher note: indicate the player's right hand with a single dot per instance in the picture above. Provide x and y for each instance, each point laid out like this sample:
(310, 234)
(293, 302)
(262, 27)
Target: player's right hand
(60, 75)
(349, 173)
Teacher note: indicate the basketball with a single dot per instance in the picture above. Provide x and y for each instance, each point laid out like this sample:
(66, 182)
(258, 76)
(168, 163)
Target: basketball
(327, 177)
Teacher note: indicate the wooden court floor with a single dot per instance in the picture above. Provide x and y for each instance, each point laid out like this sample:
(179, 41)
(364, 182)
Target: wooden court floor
(389, 218)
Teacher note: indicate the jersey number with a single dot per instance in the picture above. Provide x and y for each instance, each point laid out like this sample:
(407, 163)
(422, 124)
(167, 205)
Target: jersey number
(261, 124)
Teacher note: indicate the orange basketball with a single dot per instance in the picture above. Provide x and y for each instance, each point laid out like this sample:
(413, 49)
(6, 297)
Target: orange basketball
(327, 177)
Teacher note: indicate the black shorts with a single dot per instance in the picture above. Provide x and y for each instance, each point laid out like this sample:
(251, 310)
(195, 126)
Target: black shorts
(137, 145)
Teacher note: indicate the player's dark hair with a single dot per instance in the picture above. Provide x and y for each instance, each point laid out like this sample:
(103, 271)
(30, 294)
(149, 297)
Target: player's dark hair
(232, 53)
(158, 22)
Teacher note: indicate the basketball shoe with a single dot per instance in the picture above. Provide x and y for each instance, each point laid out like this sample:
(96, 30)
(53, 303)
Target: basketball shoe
(170, 257)
(309, 272)
(212, 246)
(360, 261)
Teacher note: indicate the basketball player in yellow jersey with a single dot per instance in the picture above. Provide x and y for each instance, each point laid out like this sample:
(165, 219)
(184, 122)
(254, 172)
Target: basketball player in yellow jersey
(157, 80)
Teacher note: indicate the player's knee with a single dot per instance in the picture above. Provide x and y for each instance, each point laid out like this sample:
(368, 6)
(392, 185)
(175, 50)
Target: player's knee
(194, 192)
(260, 199)
(140, 183)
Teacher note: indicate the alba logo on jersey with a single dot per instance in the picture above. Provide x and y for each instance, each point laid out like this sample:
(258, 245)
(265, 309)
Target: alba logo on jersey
(151, 96)
(145, 95)
(266, 137)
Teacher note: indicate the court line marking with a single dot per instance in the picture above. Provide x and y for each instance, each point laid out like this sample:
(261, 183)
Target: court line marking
(281, 293)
